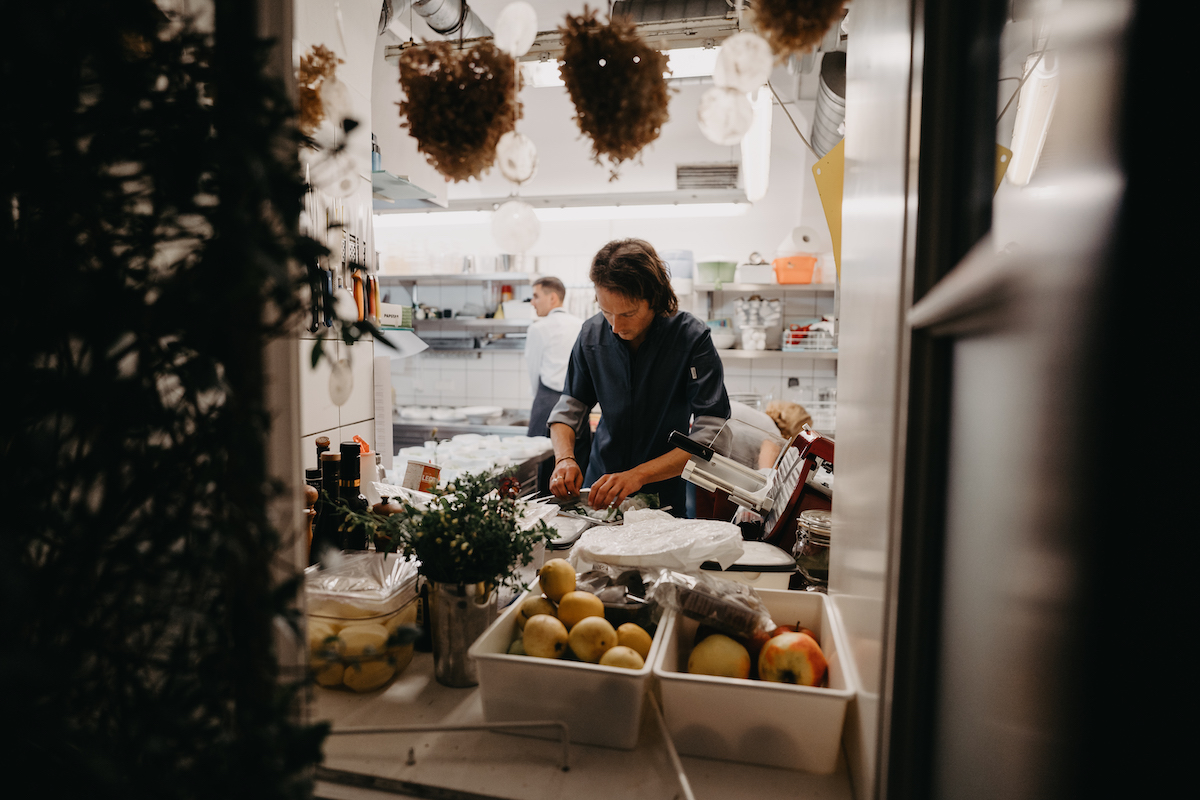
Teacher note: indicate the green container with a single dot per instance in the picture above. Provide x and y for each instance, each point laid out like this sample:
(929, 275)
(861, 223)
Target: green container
(715, 271)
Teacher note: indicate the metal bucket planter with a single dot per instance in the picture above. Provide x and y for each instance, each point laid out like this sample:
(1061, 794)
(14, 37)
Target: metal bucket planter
(458, 614)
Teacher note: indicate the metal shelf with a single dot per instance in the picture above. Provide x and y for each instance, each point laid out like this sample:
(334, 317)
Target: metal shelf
(821, 355)
(456, 279)
(764, 287)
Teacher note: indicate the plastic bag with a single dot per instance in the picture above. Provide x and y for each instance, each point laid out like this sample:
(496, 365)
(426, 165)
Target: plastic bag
(651, 538)
(730, 607)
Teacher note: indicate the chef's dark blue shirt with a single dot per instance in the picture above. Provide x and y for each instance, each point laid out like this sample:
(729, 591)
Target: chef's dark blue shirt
(673, 382)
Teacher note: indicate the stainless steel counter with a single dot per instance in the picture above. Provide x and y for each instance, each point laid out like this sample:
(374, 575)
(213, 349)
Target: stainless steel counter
(414, 433)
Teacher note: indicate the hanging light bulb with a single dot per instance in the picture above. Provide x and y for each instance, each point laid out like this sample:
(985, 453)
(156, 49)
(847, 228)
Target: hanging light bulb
(515, 227)
(517, 157)
(515, 29)
(744, 62)
(725, 114)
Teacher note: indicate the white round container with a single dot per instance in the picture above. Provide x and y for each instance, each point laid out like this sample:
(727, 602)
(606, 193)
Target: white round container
(762, 565)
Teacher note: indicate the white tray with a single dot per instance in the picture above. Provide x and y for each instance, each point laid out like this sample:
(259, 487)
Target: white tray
(601, 705)
(757, 722)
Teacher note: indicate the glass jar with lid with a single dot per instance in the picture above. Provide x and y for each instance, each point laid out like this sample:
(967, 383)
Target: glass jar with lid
(813, 529)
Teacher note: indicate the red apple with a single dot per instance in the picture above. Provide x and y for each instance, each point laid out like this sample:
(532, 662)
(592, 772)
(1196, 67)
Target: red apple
(792, 657)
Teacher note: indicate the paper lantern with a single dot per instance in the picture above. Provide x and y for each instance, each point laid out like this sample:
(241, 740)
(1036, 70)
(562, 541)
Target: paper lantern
(515, 227)
(516, 156)
(744, 62)
(515, 29)
(725, 114)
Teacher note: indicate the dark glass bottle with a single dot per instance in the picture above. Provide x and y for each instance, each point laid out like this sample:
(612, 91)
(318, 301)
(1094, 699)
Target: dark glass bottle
(350, 487)
(325, 530)
(322, 447)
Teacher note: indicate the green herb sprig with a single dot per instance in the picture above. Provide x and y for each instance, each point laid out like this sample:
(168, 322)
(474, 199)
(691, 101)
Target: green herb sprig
(469, 533)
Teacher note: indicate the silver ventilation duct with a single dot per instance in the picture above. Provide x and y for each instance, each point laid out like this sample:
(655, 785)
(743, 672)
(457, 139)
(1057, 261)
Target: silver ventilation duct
(831, 103)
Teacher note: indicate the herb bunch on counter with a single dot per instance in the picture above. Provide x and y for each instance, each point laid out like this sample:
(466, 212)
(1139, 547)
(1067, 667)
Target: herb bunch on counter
(469, 533)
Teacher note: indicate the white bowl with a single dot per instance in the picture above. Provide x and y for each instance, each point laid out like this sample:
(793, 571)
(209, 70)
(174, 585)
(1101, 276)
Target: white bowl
(723, 341)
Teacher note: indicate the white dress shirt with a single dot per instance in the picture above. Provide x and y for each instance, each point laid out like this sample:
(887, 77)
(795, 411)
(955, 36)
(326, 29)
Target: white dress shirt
(548, 348)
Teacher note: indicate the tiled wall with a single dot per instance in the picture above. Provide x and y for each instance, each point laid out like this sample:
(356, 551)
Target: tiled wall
(462, 379)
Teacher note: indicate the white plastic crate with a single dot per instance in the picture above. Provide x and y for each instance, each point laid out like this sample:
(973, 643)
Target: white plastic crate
(751, 721)
(601, 705)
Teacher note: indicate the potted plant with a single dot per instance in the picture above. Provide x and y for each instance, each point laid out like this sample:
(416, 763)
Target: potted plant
(469, 540)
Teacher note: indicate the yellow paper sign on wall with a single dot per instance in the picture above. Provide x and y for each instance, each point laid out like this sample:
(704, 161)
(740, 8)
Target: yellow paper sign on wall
(1003, 159)
(829, 173)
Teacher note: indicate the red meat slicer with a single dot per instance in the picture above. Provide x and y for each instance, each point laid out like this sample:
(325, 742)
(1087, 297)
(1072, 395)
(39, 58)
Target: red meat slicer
(802, 478)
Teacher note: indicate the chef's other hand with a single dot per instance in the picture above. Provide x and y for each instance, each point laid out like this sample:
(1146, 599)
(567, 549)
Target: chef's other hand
(612, 489)
(567, 479)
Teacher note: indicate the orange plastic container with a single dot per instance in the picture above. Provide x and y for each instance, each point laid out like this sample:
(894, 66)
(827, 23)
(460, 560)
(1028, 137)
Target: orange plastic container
(794, 269)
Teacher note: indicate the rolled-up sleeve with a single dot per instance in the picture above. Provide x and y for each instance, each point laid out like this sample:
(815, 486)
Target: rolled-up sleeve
(706, 391)
(579, 393)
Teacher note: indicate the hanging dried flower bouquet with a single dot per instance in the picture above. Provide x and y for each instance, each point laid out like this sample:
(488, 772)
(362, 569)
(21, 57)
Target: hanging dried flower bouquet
(795, 26)
(616, 82)
(457, 104)
(317, 67)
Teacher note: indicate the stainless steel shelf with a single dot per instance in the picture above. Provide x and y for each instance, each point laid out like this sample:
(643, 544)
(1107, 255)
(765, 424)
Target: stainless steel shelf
(821, 355)
(764, 287)
(456, 279)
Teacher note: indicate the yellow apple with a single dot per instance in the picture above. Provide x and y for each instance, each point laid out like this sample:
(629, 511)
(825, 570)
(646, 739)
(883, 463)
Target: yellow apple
(532, 605)
(545, 636)
(635, 637)
(621, 656)
(591, 637)
(719, 655)
(368, 675)
(557, 577)
(576, 605)
(792, 657)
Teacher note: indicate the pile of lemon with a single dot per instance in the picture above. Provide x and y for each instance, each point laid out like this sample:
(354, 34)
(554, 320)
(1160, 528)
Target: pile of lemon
(564, 621)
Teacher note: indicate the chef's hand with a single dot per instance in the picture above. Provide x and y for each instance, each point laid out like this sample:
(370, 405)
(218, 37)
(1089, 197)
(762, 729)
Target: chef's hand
(612, 489)
(567, 479)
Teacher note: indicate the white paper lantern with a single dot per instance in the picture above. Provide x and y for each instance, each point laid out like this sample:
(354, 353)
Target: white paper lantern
(744, 62)
(725, 114)
(515, 227)
(335, 100)
(515, 29)
(516, 155)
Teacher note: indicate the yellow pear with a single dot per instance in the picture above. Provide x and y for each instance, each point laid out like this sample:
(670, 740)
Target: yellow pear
(557, 577)
(621, 656)
(576, 605)
(636, 638)
(591, 637)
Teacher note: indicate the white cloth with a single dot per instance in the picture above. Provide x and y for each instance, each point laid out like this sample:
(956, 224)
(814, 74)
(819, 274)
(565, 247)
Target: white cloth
(548, 348)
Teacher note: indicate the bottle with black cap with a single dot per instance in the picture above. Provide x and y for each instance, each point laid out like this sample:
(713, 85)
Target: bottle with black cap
(350, 487)
(326, 533)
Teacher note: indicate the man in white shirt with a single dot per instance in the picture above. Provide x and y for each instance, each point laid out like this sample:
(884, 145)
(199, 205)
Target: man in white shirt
(547, 353)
